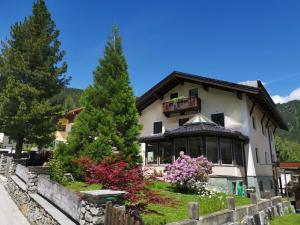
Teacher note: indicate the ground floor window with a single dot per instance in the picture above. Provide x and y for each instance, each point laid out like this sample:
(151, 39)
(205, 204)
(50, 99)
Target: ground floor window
(261, 186)
(238, 152)
(196, 147)
(226, 150)
(166, 152)
(180, 144)
(212, 150)
(151, 153)
(218, 150)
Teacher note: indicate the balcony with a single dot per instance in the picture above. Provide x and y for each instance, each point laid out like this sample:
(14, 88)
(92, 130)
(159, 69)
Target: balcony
(181, 105)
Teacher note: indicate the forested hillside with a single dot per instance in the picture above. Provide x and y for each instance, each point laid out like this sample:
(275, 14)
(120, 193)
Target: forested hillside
(69, 98)
(288, 143)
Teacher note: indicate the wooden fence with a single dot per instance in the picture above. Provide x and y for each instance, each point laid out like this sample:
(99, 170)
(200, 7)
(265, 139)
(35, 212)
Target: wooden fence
(117, 216)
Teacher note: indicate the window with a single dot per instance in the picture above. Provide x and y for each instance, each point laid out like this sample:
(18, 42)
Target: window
(181, 122)
(253, 122)
(196, 147)
(266, 157)
(261, 186)
(193, 92)
(173, 95)
(212, 149)
(218, 118)
(263, 129)
(226, 150)
(271, 184)
(270, 134)
(238, 152)
(180, 145)
(165, 149)
(257, 155)
(151, 151)
(157, 127)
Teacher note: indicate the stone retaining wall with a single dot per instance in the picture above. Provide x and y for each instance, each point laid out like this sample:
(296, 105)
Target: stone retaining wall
(43, 201)
(259, 213)
(35, 214)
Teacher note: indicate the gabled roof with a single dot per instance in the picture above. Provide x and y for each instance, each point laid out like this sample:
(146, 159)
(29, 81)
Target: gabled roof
(258, 94)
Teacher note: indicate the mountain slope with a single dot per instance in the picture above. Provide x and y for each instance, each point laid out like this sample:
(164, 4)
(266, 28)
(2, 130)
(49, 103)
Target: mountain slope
(291, 113)
(288, 143)
(69, 98)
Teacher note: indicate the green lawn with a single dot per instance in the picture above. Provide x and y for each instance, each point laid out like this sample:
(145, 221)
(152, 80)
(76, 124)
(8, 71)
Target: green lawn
(290, 219)
(161, 214)
(77, 186)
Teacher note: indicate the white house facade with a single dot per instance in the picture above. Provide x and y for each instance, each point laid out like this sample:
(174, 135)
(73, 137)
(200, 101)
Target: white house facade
(233, 125)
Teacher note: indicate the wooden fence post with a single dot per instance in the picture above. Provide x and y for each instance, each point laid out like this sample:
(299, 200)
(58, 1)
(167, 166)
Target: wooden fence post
(194, 210)
(230, 203)
(253, 198)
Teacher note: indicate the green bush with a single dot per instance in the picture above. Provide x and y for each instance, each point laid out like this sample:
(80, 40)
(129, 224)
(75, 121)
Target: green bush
(57, 172)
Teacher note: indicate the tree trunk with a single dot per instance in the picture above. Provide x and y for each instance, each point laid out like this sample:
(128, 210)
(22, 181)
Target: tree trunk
(19, 147)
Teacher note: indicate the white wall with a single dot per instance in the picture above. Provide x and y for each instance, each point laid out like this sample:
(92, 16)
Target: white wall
(212, 101)
(237, 117)
(259, 141)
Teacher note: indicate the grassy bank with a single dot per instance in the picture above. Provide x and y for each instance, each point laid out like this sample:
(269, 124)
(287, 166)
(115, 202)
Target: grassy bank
(160, 214)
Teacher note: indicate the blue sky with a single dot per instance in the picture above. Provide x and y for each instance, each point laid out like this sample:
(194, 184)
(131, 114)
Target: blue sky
(229, 40)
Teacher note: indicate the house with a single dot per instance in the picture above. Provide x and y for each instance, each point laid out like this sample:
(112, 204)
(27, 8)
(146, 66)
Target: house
(66, 123)
(232, 124)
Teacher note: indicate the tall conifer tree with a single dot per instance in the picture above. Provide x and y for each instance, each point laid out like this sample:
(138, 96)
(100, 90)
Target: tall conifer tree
(32, 72)
(109, 120)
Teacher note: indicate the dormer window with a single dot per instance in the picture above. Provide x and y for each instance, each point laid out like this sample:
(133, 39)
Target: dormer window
(173, 95)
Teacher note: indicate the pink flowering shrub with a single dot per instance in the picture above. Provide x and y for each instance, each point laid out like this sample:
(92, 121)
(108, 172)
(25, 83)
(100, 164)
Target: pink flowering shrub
(186, 172)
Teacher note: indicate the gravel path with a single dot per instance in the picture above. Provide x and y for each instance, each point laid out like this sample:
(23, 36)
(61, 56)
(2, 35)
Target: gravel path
(9, 212)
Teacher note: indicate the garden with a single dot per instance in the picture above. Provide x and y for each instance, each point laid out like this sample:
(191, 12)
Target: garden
(150, 200)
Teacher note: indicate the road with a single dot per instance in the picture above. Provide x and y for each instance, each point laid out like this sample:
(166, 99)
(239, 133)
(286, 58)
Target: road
(9, 212)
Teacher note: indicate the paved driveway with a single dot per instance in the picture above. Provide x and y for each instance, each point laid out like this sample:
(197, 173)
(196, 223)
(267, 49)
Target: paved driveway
(9, 212)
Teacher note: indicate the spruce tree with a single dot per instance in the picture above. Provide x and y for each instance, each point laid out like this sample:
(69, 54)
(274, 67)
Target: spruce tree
(109, 120)
(32, 72)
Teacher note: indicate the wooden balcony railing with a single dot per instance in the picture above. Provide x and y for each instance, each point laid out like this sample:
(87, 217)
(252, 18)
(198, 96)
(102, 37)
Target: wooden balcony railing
(181, 105)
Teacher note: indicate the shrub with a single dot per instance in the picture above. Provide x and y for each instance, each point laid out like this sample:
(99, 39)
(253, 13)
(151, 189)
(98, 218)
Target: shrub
(186, 172)
(57, 172)
(115, 174)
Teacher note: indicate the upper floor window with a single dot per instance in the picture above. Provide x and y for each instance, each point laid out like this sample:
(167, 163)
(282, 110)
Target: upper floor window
(174, 95)
(270, 134)
(181, 122)
(263, 129)
(266, 156)
(257, 155)
(157, 127)
(253, 122)
(193, 92)
(218, 118)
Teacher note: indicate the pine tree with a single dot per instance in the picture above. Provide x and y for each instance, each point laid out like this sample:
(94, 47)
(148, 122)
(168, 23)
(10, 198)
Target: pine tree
(109, 120)
(32, 72)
